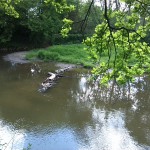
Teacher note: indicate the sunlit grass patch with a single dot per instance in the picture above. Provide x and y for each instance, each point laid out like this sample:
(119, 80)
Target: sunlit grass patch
(74, 53)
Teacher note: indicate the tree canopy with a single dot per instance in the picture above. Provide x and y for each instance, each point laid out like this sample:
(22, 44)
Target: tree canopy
(8, 7)
(122, 38)
(26, 22)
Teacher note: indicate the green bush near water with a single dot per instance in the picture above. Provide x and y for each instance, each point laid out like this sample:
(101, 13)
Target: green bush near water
(73, 53)
(46, 55)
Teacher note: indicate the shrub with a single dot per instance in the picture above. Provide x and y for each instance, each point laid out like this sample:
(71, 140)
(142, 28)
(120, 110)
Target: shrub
(46, 55)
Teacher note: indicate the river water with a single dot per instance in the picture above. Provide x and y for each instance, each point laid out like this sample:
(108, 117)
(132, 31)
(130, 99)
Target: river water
(74, 114)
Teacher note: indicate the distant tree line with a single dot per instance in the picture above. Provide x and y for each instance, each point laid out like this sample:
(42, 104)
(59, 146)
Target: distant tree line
(29, 24)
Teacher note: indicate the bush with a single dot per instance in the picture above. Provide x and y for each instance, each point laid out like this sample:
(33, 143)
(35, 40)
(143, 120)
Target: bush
(74, 53)
(46, 55)
(41, 54)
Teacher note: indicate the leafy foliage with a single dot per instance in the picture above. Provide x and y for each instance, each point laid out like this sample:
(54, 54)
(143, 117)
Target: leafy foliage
(73, 53)
(61, 5)
(121, 35)
(66, 27)
(7, 12)
(7, 6)
(37, 24)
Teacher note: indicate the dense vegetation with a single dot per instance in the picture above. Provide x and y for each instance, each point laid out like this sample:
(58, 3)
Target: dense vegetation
(35, 25)
(123, 35)
(72, 53)
(28, 24)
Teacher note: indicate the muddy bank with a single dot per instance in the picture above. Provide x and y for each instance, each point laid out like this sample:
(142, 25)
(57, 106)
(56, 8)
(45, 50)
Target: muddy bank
(17, 57)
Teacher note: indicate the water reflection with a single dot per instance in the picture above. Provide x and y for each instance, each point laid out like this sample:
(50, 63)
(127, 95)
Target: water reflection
(10, 139)
(119, 120)
(73, 115)
(109, 132)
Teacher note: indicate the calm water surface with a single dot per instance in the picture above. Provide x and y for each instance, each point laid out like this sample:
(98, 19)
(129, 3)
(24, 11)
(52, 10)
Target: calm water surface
(74, 114)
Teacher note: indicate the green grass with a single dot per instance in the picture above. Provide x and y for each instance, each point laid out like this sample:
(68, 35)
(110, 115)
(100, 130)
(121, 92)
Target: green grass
(73, 53)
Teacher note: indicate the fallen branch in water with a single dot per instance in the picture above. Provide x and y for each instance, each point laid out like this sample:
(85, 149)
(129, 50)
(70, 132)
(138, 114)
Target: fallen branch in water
(52, 77)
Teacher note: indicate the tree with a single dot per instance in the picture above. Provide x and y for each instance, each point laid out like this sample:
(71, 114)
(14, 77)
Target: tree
(40, 19)
(84, 19)
(7, 6)
(7, 12)
(121, 37)
(30, 23)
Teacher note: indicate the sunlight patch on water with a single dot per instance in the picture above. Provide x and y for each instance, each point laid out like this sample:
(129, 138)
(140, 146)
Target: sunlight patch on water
(82, 84)
(58, 139)
(109, 132)
(11, 139)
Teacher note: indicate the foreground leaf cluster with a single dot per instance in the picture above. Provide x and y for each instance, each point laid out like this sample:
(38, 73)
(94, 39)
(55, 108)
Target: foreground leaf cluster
(121, 37)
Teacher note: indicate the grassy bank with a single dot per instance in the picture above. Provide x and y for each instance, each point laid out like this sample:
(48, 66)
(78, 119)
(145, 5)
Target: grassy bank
(73, 53)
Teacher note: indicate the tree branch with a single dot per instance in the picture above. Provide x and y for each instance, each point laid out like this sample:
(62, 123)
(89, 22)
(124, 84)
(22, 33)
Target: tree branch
(84, 21)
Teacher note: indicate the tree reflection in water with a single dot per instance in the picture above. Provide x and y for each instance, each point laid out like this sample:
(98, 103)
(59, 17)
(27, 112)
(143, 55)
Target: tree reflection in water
(120, 113)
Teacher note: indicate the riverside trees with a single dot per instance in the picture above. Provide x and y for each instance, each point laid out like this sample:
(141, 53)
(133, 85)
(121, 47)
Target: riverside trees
(27, 22)
(122, 37)
(38, 23)
(7, 6)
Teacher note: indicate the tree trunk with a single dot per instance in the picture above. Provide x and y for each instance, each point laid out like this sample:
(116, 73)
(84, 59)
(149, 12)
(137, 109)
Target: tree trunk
(52, 77)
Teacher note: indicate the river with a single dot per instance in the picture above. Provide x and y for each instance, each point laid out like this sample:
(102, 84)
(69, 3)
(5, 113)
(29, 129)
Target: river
(74, 114)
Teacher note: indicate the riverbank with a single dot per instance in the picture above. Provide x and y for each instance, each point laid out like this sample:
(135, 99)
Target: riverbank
(17, 57)
(73, 53)
(20, 58)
